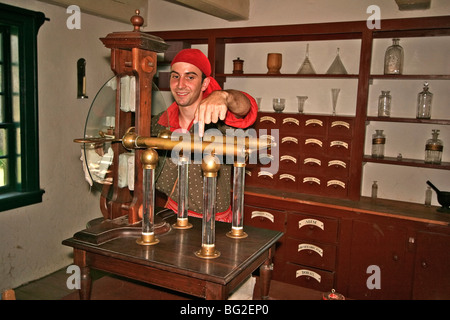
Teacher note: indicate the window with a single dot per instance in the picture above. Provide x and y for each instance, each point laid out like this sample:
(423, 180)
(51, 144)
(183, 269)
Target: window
(19, 138)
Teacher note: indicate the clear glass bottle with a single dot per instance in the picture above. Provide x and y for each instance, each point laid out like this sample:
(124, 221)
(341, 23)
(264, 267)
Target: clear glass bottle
(434, 148)
(378, 142)
(374, 190)
(424, 100)
(384, 104)
(393, 58)
(428, 195)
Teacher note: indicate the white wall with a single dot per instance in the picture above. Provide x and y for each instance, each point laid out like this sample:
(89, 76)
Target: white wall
(395, 182)
(30, 237)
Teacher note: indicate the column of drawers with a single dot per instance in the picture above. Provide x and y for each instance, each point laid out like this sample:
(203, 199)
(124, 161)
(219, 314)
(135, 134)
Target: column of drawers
(310, 251)
(313, 154)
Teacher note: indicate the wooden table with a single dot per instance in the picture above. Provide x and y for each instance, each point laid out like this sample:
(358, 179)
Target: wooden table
(172, 263)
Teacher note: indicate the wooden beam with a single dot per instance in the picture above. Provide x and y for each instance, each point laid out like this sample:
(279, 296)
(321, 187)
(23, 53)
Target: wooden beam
(404, 5)
(230, 10)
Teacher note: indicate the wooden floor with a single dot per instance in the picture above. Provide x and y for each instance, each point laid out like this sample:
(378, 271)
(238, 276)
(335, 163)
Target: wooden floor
(111, 287)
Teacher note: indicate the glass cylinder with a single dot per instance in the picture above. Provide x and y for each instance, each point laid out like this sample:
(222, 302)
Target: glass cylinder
(210, 167)
(384, 104)
(237, 205)
(378, 142)
(183, 194)
(393, 58)
(424, 100)
(149, 161)
(434, 148)
(301, 103)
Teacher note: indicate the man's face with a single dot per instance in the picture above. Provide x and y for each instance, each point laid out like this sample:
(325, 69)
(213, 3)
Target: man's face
(186, 84)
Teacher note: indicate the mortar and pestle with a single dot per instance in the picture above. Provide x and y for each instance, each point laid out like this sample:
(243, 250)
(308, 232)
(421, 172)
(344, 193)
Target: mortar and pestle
(443, 198)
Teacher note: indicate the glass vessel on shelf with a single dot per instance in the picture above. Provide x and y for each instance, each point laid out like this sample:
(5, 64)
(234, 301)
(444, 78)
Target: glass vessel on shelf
(301, 103)
(434, 148)
(384, 104)
(334, 98)
(378, 142)
(424, 100)
(306, 67)
(393, 58)
(337, 67)
(278, 104)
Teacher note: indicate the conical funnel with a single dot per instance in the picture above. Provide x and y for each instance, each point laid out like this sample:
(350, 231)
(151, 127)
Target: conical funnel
(337, 67)
(306, 67)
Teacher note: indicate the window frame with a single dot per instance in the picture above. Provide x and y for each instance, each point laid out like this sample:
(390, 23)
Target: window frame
(28, 191)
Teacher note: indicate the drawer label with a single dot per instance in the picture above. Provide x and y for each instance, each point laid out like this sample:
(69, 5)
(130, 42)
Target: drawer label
(248, 172)
(314, 141)
(339, 144)
(312, 160)
(265, 173)
(314, 122)
(337, 163)
(263, 214)
(267, 118)
(335, 183)
(311, 222)
(289, 139)
(291, 120)
(287, 176)
(340, 123)
(308, 273)
(311, 180)
(289, 158)
(308, 246)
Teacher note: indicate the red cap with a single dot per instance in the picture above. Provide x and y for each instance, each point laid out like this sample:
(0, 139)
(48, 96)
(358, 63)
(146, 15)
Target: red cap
(195, 57)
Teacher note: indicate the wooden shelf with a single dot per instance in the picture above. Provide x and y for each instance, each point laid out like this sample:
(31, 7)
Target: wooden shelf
(411, 76)
(287, 75)
(407, 162)
(410, 120)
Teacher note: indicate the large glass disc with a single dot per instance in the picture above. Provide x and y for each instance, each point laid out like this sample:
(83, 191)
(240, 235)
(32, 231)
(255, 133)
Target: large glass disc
(99, 127)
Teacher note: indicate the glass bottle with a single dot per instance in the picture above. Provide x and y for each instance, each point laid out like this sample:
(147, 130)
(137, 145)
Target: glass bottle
(434, 148)
(374, 190)
(424, 100)
(384, 104)
(393, 58)
(378, 142)
(428, 195)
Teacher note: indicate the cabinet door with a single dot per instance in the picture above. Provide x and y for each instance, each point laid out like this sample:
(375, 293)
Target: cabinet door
(383, 246)
(432, 267)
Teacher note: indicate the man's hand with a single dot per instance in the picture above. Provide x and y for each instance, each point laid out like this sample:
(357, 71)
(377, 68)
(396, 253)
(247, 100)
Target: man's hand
(211, 110)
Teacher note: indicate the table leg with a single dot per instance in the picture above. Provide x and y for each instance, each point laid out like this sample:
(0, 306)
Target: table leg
(79, 257)
(265, 275)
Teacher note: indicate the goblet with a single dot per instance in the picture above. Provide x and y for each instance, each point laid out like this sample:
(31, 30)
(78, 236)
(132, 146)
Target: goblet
(301, 103)
(278, 104)
(334, 98)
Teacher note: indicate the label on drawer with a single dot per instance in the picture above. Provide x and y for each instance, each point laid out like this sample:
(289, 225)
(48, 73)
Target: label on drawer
(263, 214)
(290, 158)
(336, 183)
(265, 173)
(291, 120)
(339, 144)
(314, 122)
(312, 160)
(313, 141)
(311, 180)
(340, 123)
(337, 163)
(311, 222)
(307, 246)
(267, 118)
(308, 273)
(287, 176)
(289, 139)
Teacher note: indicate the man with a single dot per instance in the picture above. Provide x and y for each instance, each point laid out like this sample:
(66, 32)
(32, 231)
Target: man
(200, 102)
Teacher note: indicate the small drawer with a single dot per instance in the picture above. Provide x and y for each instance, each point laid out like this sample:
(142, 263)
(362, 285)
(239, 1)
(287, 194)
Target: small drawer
(314, 165)
(312, 145)
(289, 162)
(310, 183)
(336, 188)
(315, 125)
(267, 121)
(311, 253)
(301, 226)
(308, 277)
(289, 144)
(263, 218)
(338, 147)
(338, 168)
(341, 127)
(290, 124)
(287, 181)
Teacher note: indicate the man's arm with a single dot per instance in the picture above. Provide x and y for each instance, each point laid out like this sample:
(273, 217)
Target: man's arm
(216, 106)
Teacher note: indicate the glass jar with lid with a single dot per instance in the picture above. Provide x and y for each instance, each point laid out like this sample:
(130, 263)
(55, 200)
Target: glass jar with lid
(434, 148)
(384, 104)
(378, 142)
(393, 58)
(424, 100)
